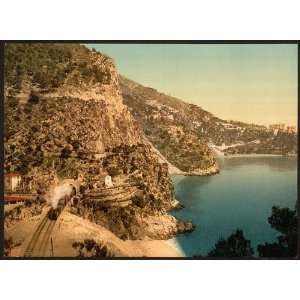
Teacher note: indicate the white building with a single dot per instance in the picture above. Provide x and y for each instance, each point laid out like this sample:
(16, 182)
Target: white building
(12, 181)
(108, 181)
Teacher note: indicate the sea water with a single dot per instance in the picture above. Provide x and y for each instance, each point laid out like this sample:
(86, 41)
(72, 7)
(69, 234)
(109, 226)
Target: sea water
(241, 196)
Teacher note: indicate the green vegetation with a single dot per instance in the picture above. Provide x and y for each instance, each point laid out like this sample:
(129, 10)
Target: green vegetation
(139, 167)
(181, 131)
(90, 248)
(234, 246)
(55, 127)
(187, 153)
(48, 136)
(69, 168)
(49, 65)
(40, 130)
(167, 123)
(285, 221)
(282, 144)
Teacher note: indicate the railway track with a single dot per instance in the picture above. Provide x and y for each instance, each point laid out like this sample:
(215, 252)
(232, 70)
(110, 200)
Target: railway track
(39, 243)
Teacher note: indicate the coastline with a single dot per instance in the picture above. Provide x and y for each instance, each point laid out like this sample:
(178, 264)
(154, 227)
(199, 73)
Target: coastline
(175, 245)
(206, 172)
(153, 248)
(258, 155)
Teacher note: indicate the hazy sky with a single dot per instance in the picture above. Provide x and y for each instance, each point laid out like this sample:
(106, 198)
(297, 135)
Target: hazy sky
(251, 83)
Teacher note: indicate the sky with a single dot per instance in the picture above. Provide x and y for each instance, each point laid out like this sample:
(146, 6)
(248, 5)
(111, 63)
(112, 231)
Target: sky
(250, 83)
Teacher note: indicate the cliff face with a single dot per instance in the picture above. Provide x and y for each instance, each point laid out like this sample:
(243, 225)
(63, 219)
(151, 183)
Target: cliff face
(65, 117)
(59, 99)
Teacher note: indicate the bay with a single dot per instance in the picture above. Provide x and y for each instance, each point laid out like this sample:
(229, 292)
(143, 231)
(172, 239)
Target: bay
(241, 196)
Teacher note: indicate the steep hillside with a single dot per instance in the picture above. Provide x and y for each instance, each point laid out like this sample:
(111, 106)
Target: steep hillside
(65, 91)
(182, 132)
(62, 107)
(172, 127)
(65, 118)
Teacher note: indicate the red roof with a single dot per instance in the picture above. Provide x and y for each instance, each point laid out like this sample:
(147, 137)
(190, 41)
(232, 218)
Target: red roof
(12, 174)
(16, 198)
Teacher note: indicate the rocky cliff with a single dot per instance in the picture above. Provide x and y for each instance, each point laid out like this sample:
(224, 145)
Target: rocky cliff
(144, 214)
(65, 118)
(61, 99)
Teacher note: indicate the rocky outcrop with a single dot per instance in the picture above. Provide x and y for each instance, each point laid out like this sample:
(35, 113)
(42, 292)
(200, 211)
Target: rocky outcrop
(165, 227)
(136, 166)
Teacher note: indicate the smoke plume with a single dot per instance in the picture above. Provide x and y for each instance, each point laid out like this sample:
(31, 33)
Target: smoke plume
(58, 192)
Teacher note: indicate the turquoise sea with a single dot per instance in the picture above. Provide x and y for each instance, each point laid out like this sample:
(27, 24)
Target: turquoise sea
(241, 196)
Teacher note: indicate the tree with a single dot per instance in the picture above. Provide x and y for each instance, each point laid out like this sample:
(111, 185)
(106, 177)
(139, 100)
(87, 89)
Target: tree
(66, 151)
(234, 246)
(285, 221)
(89, 248)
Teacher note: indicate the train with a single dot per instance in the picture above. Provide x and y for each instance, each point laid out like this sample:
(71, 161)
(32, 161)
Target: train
(54, 212)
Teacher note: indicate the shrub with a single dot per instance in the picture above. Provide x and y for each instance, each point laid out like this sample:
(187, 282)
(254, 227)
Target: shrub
(114, 171)
(33, 98)
(234, 246)
(285, 221)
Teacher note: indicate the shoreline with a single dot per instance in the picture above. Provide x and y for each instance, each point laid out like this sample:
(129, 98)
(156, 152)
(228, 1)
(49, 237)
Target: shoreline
(174, 244)
(259, 155)
(207, 172)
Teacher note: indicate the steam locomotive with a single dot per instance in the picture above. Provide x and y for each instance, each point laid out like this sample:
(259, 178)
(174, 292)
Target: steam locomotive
(62, 202)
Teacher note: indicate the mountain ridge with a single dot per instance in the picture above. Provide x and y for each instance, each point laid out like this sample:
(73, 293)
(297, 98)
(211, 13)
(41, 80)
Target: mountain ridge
(196, 135)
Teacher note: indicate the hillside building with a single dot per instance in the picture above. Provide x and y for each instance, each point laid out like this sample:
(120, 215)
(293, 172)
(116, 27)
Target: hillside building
(108, 181)
(12, 181)
(291, 129)
(280, 127)
(275, 128)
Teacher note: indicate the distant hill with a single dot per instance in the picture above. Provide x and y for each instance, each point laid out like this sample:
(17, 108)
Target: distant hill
(172, 126)
(183, 131)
